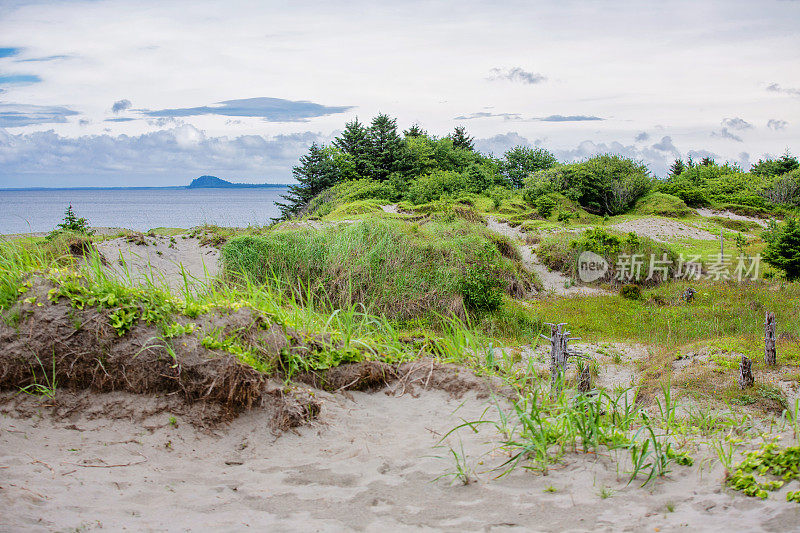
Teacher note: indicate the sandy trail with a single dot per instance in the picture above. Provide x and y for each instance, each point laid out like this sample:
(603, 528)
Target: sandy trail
(162, 259)
(705, 212)
(664, 230)
(553, 281)
(371, 465)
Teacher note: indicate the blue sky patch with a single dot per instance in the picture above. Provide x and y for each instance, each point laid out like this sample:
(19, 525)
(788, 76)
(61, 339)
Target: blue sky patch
(8, 52)
(19, 79)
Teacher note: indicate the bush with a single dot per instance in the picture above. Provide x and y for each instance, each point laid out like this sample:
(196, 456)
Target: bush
(606, 184)
(561, 252)
(432, 187)
(662, 204)
(783, 249)
(545, 205)
(630, 291)
(71, 224)
(482, 286)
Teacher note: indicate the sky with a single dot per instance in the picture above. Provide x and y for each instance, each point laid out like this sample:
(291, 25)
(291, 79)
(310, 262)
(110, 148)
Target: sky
(150, 93)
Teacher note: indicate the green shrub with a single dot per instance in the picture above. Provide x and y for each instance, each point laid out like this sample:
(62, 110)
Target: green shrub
(661, 204)
(433, 186)
(562, 250)
(783, 249)
(606, 184)
(545, 205)
(71, 224)
(482, 285)
(630, 291)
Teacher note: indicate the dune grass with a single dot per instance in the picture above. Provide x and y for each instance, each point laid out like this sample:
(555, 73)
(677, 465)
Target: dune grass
(394, 268)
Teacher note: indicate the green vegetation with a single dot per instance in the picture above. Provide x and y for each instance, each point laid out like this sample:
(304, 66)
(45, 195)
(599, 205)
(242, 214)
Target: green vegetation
(661, 204)
(783, 249)
(392, 268)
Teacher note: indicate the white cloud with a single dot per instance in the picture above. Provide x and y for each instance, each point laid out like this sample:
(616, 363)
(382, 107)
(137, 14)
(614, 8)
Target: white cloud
(335, 54)
(46, 158)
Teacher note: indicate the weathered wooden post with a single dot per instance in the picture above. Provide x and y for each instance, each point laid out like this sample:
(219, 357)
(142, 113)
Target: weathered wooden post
(745, 373)
(770, 356)
(585, 380)
(559, 354)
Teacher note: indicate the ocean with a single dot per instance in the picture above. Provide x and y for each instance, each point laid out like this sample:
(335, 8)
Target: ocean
(28, 211)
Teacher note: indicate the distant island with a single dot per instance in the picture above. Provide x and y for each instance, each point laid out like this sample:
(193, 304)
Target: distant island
(213, 182)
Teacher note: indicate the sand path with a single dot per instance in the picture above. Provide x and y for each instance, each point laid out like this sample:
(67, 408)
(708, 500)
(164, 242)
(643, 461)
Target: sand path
(162, 259)
(553, 281)
(664, 230)
(370, 465)
(705, 212)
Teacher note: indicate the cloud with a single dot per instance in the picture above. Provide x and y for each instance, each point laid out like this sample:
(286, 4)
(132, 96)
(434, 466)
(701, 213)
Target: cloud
(41, 59)
(642, 136)
(483, 114)
(569, 118)
(269, 109)
(516, 75)
(697, 155)
(776, 124)
(155, 158)
(500, 144)
(19, 79)
(119, 119)
(736, 123)
(8, 52)
(724, 133)
(121, 105)
(15, 115)
(775, 88)
(665, 145)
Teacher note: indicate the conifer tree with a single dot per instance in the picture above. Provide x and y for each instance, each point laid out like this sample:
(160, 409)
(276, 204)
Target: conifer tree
(385, 146)
(461, 139)
(355, 142)
(784, 250)
(677, 168)
(315, 173)
(415, 131)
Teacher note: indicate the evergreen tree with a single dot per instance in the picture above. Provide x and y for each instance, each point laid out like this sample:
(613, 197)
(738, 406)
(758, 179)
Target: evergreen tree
(461, 139)
(783, 251)
(385, 146)
(315, 173)
(677, 168)
(415, 131)
(354, 141)
(707, 162)
(775, 167)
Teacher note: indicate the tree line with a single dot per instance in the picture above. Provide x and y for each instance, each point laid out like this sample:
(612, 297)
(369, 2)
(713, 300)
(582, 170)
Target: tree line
(415, 166)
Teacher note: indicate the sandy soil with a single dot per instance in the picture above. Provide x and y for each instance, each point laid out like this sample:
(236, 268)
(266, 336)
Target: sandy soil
(370, 465)
(664, 230)
(553, 281)
(705, 212)
(163, 259)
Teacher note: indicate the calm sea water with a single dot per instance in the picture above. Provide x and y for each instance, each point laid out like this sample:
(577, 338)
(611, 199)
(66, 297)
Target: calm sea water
(139, 209)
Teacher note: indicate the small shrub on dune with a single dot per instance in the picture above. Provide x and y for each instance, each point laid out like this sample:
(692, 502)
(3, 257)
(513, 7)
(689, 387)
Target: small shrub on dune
(662, 204)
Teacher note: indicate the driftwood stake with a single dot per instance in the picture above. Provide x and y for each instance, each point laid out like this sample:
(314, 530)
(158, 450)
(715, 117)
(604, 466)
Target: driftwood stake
(559, 354)
(770, 355)
(585, 380)
(745, 373)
